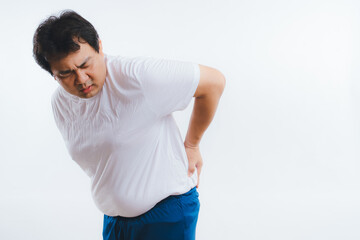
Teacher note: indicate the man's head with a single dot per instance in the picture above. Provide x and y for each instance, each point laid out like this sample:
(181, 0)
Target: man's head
(68, 47)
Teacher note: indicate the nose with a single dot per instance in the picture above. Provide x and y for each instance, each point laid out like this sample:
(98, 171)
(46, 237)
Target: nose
(81, 76)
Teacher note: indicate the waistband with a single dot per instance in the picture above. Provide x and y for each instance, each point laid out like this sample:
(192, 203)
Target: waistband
(169, 198)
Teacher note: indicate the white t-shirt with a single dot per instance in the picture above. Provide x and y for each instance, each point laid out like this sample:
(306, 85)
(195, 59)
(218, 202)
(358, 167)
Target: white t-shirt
(125, 137)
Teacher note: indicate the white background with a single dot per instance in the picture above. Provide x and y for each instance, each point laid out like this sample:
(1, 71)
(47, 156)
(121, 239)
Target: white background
(281, 156)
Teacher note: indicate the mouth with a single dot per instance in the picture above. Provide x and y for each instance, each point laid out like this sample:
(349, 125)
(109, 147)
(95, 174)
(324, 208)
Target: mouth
(86, 90)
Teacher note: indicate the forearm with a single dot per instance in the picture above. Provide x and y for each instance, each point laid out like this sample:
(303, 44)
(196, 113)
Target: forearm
(201, 117)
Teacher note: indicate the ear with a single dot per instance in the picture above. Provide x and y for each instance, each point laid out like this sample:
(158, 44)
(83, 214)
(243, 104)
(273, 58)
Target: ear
(100, 48)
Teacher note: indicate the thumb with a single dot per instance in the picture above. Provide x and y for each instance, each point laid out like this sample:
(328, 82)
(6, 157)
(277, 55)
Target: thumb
(191, 169)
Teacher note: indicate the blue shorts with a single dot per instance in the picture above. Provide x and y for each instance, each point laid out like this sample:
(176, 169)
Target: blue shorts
(173, 218)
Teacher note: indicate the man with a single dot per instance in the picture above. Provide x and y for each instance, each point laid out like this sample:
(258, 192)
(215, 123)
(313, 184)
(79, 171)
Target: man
(115, 115)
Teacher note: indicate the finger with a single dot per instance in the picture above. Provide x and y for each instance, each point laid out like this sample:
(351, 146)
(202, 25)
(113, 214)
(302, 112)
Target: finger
(191, 169)
(198, 168)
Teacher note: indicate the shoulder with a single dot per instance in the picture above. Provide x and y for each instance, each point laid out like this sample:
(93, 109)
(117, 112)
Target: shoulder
(55, 97)
(145, 68)
(126, 66)
(125, 72)
(57, 104)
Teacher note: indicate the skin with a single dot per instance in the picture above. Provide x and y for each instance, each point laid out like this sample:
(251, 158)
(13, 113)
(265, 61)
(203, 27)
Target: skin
(88, 68)
(207, 96)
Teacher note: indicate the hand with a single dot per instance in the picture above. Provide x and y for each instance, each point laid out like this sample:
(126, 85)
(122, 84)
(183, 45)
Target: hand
(195, 160)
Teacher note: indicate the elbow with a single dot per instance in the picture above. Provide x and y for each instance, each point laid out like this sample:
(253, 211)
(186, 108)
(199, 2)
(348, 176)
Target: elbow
(221, 82)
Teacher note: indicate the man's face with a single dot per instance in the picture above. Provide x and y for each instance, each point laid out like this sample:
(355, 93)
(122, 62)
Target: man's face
(81, 73)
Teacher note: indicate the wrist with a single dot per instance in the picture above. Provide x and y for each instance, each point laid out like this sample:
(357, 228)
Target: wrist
(189, 144)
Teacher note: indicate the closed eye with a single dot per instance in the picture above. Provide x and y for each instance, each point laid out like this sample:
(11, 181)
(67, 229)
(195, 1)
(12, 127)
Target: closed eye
(86, 63)
(65, 74)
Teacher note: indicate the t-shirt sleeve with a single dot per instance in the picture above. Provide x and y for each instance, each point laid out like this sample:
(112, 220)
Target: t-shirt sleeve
(168, 85)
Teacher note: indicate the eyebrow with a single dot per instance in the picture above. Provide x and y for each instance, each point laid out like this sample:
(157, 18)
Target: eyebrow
(82, 65)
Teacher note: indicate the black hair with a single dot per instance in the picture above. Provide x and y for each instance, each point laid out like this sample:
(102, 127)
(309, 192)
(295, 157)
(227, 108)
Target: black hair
(56, 37)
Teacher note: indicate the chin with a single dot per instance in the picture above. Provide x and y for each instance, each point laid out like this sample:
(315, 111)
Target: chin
(90, 94)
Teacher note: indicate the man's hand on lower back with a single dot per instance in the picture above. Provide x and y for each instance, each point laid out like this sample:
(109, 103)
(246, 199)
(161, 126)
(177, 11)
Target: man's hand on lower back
(195, 160)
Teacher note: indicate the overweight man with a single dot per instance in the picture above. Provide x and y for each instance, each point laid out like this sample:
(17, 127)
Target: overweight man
(115, 116)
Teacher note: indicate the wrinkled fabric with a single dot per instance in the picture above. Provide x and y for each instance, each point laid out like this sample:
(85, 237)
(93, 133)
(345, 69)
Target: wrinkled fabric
(125, 137)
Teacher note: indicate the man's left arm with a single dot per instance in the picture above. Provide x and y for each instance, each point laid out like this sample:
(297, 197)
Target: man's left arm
(207, 96)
